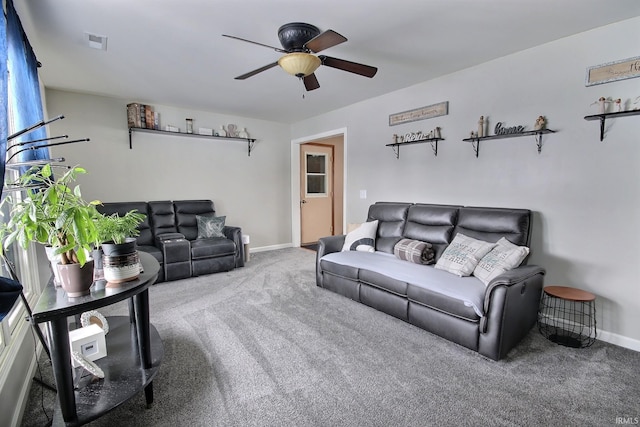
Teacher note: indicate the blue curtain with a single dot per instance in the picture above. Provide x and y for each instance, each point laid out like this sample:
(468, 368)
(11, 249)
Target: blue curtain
(25, 102)
(3, 97)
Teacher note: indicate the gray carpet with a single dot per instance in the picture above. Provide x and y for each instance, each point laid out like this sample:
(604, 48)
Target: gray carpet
(263, 346)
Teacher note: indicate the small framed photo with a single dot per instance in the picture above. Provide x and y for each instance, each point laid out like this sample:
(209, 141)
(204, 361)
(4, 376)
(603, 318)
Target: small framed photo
(88, 341)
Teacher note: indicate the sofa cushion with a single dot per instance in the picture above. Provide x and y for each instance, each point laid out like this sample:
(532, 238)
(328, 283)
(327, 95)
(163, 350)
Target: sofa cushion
(414, 251)
(433, 224)
(186, 211)
(392, 218)
(154, 251)
(214, 247)
(210, 226)
(464, 295)
(503, 257)
(463, 254)
(362, 238)
(491, 224)
(339, 269)
(163, 217)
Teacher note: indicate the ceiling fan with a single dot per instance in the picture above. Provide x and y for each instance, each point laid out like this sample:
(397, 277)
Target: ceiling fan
(300, 42)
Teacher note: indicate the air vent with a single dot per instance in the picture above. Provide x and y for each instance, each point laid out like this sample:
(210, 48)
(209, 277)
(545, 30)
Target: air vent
(95, 41)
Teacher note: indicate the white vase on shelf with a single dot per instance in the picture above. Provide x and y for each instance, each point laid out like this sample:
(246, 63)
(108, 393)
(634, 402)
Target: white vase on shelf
(243, 133)
(221, 131)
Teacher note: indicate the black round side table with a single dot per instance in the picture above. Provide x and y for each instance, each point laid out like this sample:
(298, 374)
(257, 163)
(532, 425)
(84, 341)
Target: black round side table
(567, 316)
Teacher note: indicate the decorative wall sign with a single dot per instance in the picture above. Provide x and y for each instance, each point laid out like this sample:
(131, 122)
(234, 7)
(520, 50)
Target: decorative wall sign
(428, 112)
(501, 130)
(612, 71)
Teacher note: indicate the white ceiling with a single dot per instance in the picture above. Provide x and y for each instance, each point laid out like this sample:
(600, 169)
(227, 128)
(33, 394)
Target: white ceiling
(172, 52)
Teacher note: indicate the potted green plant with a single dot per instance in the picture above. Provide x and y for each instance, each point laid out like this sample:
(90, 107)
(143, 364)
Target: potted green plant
(115, 230)
(116, 235)
(52, 212)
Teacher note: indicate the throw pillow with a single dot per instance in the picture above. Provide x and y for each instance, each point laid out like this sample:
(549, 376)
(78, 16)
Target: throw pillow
(503, 257)
(362, 238)
(210, 226)
(463, 254)
(414, 251)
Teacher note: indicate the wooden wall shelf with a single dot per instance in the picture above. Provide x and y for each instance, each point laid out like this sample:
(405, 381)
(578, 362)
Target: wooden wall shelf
(250, 141)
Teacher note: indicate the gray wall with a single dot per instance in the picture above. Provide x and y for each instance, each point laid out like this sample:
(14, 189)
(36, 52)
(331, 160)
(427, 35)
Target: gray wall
(253, 192)
(585, 194)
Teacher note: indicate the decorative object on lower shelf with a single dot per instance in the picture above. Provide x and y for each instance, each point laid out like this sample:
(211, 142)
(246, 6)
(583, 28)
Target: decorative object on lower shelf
(94, 317)
(89, 342)
(189, 125)
(205, 131)
(232, 130)
(221, 131)
(87, 364)
(243, 133)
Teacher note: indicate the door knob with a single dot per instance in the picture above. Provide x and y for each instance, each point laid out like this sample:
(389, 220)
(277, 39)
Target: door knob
(303, 201)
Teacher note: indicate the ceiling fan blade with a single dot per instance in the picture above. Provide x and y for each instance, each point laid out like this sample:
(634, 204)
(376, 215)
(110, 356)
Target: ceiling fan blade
(352, 67)
(254, 72)
(311, 82)
(324, 41)
(277, 49)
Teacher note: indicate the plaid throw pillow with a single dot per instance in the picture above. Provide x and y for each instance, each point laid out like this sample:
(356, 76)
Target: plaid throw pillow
(414, 251)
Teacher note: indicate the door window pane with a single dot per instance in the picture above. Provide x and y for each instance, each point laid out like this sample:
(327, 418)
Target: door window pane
(316, 175)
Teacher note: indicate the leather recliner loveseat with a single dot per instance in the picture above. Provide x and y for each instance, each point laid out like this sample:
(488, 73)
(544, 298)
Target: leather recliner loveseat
(170, 234)
(490, 319)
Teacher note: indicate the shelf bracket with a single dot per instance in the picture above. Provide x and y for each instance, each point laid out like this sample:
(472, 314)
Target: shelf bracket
(396, 150)
(434, 147)
(250, 143)
(602, 120)
(475, 144)
(130, 145)
(539, 142)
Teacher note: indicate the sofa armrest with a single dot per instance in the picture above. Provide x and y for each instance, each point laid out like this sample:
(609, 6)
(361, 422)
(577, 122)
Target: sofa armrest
(511, 310)
(168, 236)
(511, 278)
(235, 234)
(327, 245)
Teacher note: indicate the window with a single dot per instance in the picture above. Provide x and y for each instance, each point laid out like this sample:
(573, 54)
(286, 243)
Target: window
(316, 175)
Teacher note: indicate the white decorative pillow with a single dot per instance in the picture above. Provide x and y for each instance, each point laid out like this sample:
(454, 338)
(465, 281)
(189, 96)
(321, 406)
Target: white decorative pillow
(362, 238)
(503, 257)
(463, 254)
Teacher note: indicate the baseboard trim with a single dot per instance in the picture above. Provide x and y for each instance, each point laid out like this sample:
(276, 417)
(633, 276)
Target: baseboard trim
(619, 340)
(272, 247)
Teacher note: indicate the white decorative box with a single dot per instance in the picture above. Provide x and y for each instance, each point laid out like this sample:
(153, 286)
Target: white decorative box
(205, 131)
(88, 341)
(172, 128)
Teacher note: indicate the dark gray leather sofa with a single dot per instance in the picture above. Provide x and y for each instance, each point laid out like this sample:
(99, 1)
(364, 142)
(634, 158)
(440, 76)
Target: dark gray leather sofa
(506, 309)
(170, 232)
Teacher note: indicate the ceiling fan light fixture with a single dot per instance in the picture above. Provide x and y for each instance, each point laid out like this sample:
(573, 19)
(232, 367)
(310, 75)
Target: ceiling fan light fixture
(299, 64)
